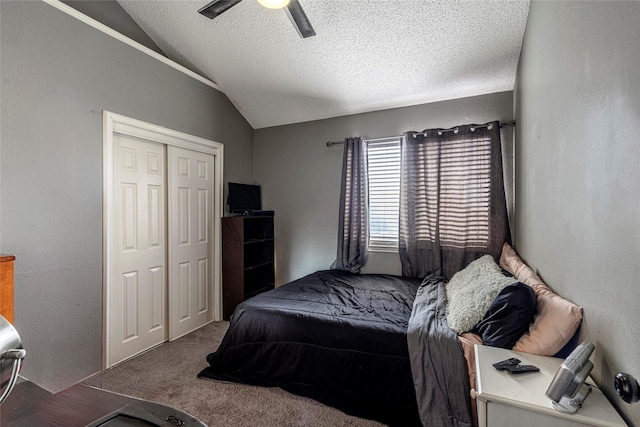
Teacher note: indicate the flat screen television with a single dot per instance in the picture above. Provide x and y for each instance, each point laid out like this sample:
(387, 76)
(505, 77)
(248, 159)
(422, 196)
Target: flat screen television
(243, 198)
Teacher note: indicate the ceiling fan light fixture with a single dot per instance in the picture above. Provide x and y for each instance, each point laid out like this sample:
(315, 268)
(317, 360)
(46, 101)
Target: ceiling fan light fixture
(274, 4)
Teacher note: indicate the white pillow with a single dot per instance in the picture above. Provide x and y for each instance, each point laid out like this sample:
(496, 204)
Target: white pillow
(471, 291)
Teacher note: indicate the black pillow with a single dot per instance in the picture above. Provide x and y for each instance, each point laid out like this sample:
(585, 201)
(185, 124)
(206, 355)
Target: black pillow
(508, 316)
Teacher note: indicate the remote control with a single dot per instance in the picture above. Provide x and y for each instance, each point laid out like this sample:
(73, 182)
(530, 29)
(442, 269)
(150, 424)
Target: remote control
(520, 369)
(501, 366)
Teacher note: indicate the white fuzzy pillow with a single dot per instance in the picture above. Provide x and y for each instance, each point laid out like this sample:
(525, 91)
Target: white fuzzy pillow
(471, 291)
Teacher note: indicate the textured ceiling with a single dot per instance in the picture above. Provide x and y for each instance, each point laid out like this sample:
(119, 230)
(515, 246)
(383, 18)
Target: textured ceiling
(367, 55)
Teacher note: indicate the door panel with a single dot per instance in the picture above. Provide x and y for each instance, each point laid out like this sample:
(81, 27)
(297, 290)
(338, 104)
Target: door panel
(190, 180)
(137, 317)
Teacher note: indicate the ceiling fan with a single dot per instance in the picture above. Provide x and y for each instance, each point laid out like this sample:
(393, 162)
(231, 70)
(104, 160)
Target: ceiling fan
(293, 9)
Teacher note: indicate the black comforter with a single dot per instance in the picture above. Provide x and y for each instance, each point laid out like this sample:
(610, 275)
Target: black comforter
(341, 338)
(337, 337)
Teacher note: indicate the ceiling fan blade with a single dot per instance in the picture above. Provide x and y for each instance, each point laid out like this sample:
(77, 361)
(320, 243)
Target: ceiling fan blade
(299, 19)
(217, 7)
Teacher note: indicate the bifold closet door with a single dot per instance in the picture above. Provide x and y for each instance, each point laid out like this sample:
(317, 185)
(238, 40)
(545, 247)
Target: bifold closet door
(191, 248)
(137, 317)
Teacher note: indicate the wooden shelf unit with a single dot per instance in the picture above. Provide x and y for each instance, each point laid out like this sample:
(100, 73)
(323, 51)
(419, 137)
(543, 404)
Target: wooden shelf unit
(248, 261)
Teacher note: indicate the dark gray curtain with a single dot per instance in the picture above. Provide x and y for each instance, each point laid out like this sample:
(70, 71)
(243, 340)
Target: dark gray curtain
(452, 201)
(352, 233)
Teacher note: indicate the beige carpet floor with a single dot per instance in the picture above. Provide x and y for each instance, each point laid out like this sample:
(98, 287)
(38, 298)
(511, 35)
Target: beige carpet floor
(168, 375)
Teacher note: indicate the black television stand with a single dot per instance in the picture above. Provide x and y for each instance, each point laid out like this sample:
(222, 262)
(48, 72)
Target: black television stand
(248, 256)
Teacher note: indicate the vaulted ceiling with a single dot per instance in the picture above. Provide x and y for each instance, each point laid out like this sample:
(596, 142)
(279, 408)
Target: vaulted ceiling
(367, 55)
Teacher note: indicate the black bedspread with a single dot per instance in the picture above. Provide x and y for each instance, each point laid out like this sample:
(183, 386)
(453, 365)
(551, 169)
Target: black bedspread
(337, 337)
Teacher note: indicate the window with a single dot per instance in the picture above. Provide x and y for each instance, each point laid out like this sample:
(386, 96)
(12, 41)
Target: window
(453, 195)
(383, 158)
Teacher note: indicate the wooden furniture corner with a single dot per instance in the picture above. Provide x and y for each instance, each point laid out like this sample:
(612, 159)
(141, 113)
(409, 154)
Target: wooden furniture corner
(6, 286)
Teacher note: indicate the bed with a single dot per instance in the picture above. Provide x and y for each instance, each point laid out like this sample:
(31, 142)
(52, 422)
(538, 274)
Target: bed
(349, 341)
(389, 348)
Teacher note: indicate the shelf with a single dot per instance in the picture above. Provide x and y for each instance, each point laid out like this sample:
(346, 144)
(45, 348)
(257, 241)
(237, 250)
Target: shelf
(252, 242)
(248, 253)
(254, 267)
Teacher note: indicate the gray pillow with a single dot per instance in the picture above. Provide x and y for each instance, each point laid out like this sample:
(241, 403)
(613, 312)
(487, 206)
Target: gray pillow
(471, 291)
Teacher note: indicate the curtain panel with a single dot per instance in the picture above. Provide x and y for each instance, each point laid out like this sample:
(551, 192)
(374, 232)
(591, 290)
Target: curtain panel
(354, 208)
(452, 200)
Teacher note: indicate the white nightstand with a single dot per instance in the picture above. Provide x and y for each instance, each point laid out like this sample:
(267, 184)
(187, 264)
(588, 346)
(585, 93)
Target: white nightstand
(504, 399)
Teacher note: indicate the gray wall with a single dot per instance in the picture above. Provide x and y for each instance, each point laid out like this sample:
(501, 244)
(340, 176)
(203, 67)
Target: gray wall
(578, 158)
(57, 75)
(301, 177)
(111, 14)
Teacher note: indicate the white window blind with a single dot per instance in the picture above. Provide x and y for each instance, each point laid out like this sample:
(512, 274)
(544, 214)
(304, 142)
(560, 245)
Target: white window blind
(384, 193)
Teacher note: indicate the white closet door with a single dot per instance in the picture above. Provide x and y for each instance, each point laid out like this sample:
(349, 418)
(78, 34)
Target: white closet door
(191, 246)
(138, 290)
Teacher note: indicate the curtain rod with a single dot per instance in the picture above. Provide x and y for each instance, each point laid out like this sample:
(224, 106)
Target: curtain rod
(512, 123)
